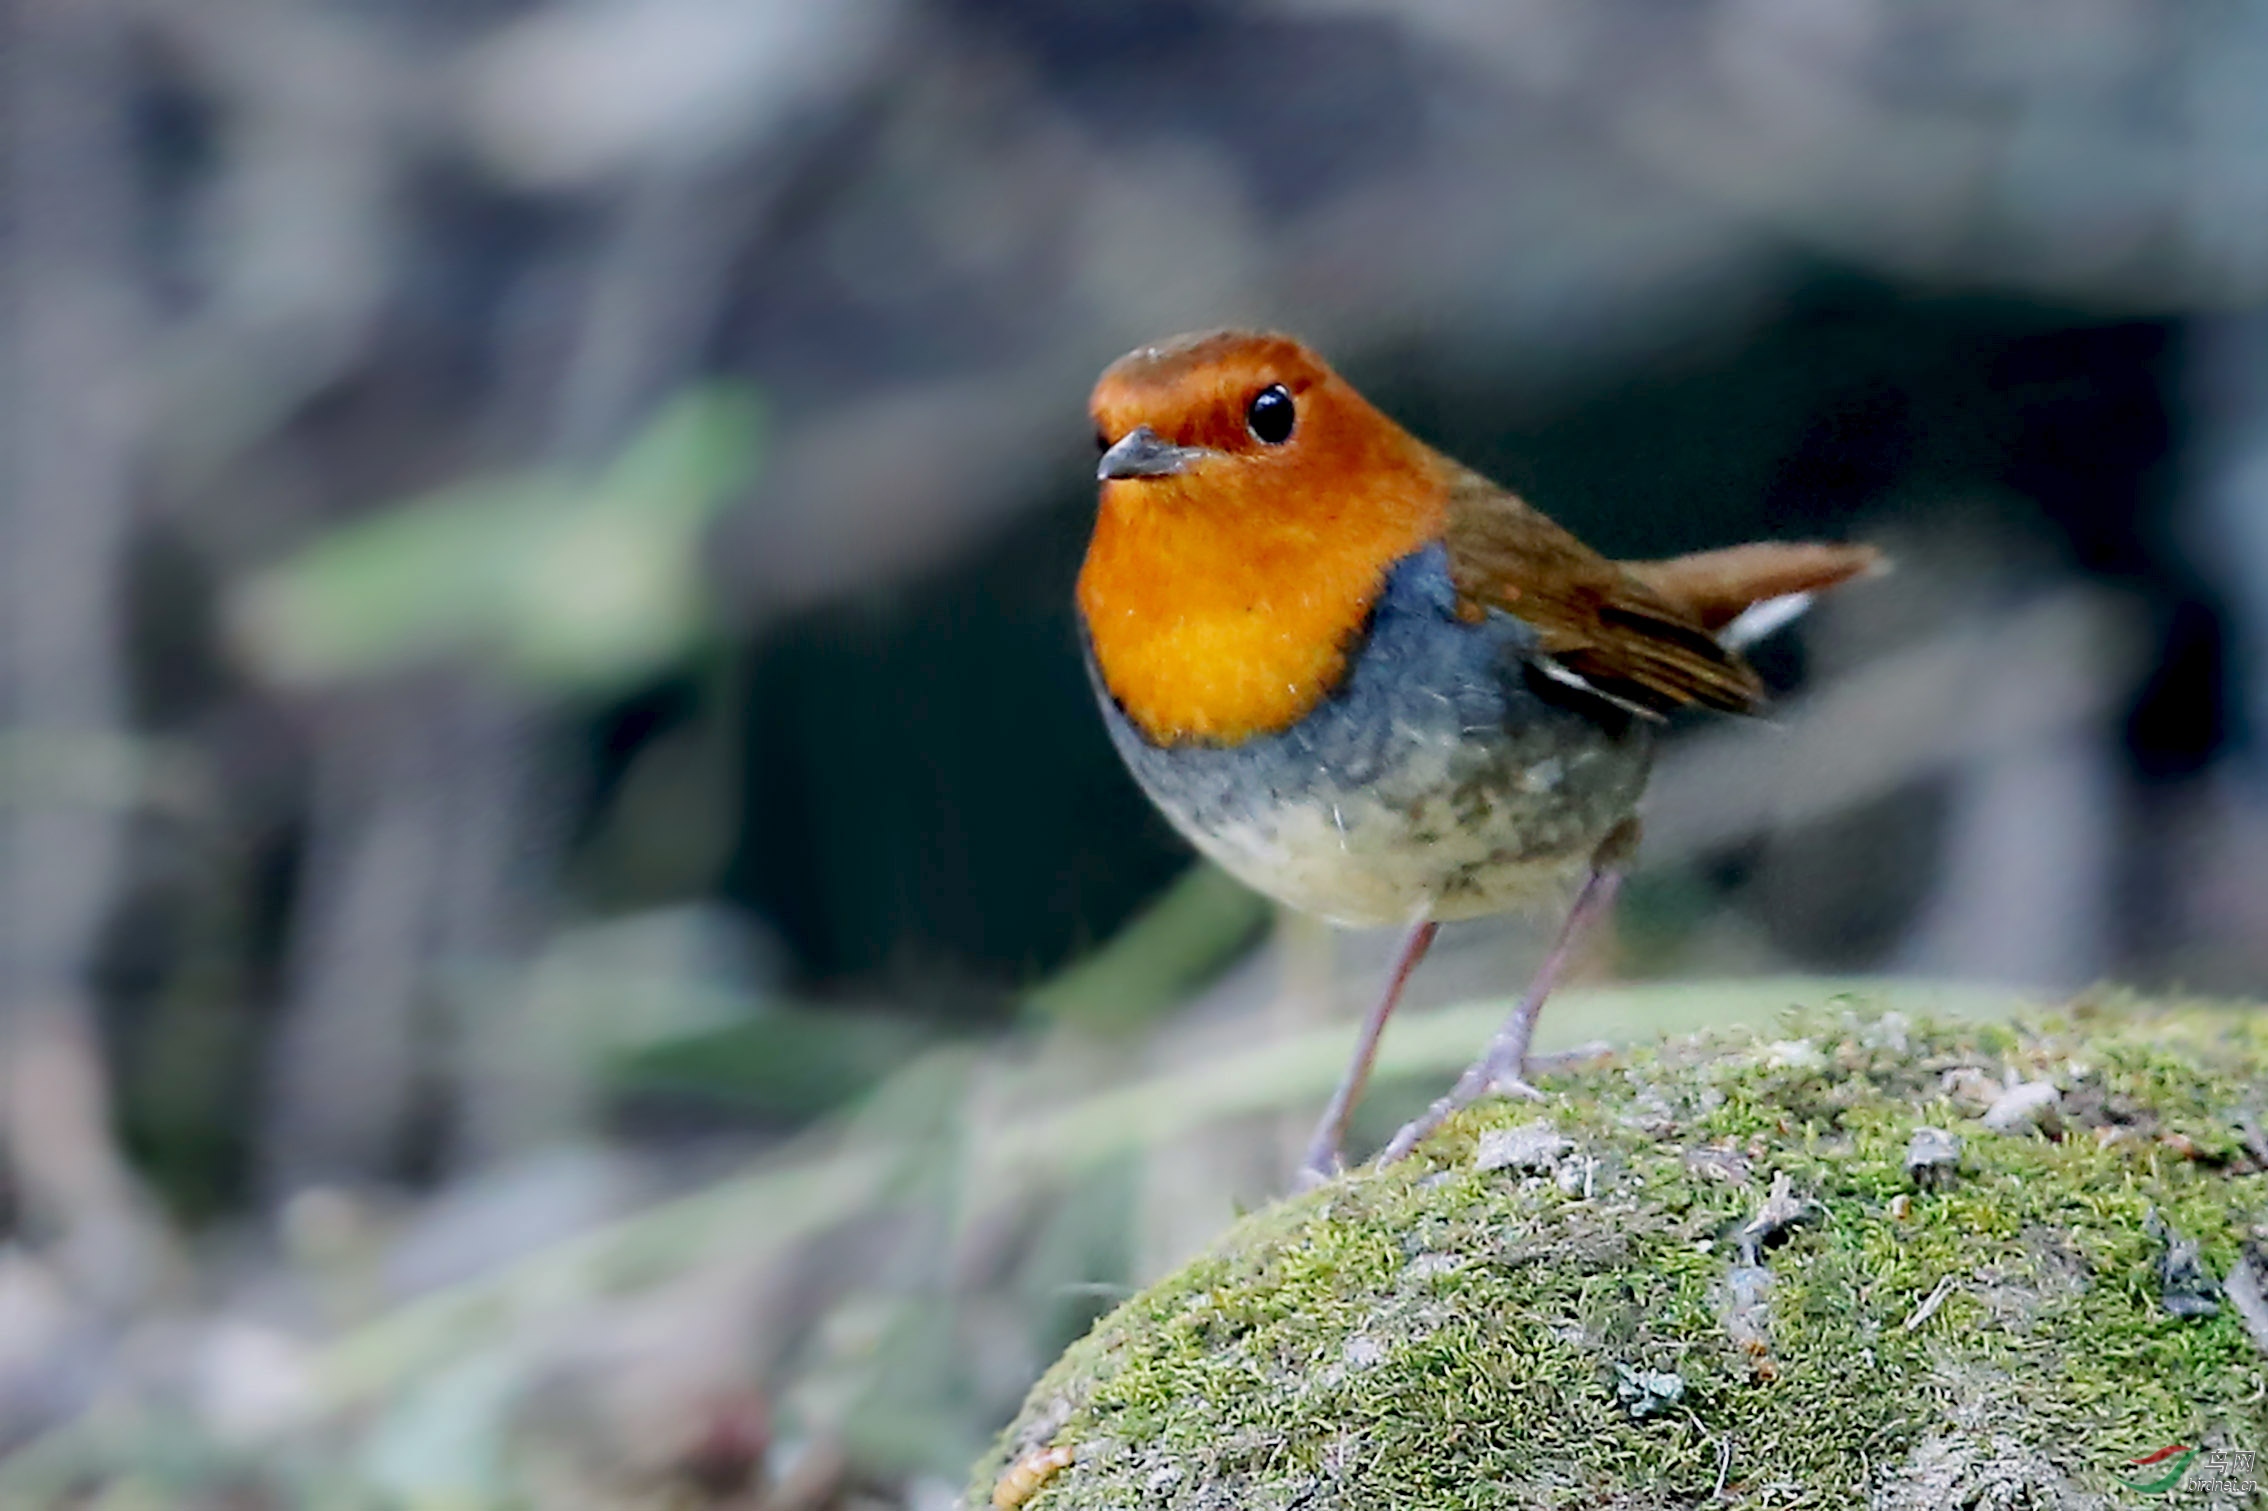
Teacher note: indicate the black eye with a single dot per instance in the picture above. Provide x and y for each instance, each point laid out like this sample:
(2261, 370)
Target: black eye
(1271, 415)
(1102, 442)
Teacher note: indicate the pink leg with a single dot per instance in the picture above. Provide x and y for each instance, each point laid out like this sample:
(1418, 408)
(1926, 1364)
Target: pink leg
(1322, 1160)
(1503, 1065)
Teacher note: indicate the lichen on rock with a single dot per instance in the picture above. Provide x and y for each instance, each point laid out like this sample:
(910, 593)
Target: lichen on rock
(1745, 1298)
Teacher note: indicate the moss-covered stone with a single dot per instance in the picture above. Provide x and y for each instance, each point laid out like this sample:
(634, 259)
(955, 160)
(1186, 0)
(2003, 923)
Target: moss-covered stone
(1728, 1288)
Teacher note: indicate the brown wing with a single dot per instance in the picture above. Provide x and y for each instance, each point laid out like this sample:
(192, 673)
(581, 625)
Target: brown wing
(1639, 633)
(1593, 619)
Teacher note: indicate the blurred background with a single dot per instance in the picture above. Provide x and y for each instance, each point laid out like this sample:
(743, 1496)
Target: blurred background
(569, 935)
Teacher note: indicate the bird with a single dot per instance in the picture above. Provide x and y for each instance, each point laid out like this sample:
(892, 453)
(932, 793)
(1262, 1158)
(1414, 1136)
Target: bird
(1378, 687)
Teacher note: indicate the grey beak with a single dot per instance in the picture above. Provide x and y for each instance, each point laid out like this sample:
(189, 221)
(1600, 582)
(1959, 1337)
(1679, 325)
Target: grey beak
(1142, 452)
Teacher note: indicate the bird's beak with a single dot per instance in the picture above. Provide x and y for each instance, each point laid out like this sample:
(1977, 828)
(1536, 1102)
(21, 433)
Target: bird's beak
(1142, 452)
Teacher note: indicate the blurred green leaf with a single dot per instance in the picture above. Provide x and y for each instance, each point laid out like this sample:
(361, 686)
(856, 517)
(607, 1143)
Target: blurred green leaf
(563, 581)
(1191, 931)
(787, 1062)
(439, 1445)
(914, 1412)
(798, 1063)
(1081, 1259)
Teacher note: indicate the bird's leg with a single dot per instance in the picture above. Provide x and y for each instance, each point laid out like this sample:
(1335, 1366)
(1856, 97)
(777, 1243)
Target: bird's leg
(1322, 1160)
(1503, 1066)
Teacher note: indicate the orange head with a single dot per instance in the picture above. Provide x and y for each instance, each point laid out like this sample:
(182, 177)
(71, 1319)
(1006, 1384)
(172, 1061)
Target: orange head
(1252, 503)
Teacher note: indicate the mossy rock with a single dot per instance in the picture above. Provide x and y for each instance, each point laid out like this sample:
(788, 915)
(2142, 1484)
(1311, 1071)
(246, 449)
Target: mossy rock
(1631, 1319)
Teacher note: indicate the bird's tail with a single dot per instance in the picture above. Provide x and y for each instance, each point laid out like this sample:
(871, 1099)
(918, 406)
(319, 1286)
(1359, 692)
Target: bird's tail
(1743, 593)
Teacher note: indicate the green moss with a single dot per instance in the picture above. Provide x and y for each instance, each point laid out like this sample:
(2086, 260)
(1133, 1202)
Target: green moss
(1444, 1335)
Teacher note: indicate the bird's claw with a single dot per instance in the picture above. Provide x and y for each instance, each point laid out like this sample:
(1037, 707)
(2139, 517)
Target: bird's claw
(1509, 1084)
(1481, 1081)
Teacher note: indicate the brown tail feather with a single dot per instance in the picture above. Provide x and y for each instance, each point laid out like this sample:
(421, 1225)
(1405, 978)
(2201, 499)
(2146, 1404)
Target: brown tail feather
(1715, 586)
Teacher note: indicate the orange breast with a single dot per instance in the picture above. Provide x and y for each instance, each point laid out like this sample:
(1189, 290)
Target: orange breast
(1218, 613)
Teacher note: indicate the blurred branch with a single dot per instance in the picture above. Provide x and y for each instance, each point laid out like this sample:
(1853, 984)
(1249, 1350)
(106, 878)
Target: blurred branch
(1928, 144)
(568, 94)
(323, 108)
(1158, 957)
(69, 426)
(1982, 688)
(615, 595)
(345, 1060)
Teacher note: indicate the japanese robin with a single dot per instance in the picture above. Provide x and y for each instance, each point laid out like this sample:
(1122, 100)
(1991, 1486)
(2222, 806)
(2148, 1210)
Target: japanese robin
(1374, 685)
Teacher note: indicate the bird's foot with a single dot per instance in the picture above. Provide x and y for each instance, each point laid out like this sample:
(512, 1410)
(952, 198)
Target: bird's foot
(1322, 1159)
(1514, 1087)
(1481, 1080)
(1508, 1081)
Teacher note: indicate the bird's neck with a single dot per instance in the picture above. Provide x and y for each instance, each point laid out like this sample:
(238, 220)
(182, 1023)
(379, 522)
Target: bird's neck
(1219, 612)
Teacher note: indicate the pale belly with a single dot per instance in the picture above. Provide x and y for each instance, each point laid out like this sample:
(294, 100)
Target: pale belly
(1438, 782)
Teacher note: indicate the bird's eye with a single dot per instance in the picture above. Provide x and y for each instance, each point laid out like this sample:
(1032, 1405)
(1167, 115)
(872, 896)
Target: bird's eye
(1102, 441)
(1270, 415)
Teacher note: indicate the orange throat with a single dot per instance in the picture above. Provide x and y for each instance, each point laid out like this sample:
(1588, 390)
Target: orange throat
(1216, 616)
